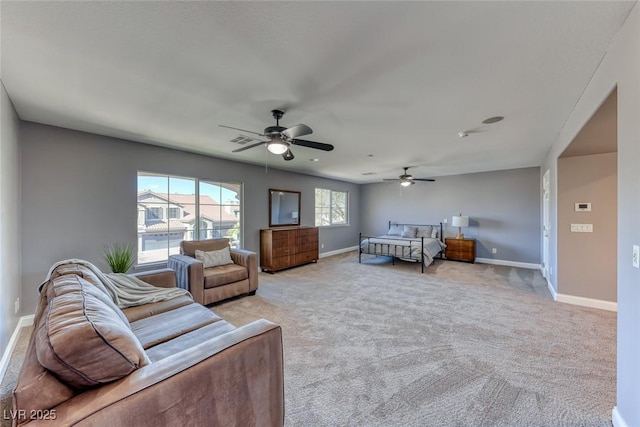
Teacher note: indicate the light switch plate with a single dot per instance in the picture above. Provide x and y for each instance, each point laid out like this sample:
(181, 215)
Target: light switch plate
(636, 256)
(582, 228)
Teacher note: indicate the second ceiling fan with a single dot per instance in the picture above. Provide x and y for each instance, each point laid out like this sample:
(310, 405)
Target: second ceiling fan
(406, 179)
(281, 138)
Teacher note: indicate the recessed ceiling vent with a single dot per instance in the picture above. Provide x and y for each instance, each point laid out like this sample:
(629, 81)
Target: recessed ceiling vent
(241, 140)
(369, 173)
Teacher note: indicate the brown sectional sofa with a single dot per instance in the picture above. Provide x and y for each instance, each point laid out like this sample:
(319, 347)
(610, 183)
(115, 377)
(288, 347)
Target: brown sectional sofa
(213, 284)
(166, 363)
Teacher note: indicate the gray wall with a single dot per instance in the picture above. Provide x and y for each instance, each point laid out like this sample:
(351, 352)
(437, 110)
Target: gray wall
(79, 194)
(619, 68)
(10, 263)
(503, 209)
(587, 262)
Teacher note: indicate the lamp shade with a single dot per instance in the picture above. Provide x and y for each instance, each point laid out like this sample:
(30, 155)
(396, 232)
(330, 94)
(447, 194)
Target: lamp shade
(460, 221)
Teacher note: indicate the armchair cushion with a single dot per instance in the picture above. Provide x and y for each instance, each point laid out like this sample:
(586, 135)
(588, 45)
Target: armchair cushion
(223, 275)
(214, 258)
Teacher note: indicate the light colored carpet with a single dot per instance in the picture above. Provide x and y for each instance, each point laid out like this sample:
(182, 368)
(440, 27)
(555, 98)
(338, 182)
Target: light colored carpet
(461, 345)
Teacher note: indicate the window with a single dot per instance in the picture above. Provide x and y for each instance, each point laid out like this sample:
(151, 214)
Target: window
(195, 210)
(332, 207)
(154, 214)
(173, 213)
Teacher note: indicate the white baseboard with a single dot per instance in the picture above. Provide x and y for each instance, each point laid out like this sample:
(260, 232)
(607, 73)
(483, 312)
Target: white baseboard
(338, 251)
(588, 302)
(554, 294)
(617, 419)
(508, 263)
(4, 362)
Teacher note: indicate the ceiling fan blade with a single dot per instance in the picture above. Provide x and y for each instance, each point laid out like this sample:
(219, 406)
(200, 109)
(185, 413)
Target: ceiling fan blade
(296, 131)
(243, 130)
(237, 150)
(312, 144)
(288, 155)
(424, 179)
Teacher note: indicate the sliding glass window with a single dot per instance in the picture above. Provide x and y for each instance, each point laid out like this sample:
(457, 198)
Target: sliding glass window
(172, 209)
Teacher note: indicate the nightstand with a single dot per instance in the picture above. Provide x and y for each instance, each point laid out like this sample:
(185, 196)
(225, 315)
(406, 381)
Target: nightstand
(460, 249)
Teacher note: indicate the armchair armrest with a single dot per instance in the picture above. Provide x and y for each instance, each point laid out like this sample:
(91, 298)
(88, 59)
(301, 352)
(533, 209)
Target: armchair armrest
(162, 278)
(232, 379)
(190, 275)
(249, 260)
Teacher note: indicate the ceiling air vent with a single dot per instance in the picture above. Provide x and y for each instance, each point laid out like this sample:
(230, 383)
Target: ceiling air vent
(369, 173)
(242, 140)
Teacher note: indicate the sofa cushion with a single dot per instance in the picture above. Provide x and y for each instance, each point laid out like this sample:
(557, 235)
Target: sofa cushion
(148, 310)
(188, 340)
(223, 275)
(79, 270)
(166, 326)
(71, 284)
(214, 258)
(189, 247)
(85, 343)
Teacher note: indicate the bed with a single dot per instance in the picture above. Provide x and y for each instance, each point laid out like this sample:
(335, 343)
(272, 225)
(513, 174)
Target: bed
(409, 242)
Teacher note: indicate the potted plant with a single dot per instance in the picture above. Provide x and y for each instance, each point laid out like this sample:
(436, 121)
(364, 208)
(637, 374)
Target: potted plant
(120, 257)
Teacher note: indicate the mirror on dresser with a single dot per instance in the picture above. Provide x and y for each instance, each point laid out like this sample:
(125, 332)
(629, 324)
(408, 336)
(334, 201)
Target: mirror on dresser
(284, 208)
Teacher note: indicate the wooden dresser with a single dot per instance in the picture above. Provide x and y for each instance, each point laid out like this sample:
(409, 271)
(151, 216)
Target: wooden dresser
(287, 247)
(460, 249)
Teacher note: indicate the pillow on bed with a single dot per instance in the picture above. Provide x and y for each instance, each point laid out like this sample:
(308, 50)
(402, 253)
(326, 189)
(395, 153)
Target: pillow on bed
(424, 231)
(409, 232)
(395, 230)
(434, 233)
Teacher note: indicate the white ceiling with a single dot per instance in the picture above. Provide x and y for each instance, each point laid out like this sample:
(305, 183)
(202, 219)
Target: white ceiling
(396, 80)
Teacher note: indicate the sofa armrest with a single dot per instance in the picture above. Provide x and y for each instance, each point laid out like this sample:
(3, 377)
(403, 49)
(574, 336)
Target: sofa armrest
(162, 278)
(249, 260)
(190, 275)
(232, 379)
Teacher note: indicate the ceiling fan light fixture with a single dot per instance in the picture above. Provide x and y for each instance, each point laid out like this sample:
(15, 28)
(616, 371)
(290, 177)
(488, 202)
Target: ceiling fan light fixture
(277, 146)
(406, 182)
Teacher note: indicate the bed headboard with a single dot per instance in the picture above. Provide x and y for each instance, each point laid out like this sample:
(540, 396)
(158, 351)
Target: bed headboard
(438, 226)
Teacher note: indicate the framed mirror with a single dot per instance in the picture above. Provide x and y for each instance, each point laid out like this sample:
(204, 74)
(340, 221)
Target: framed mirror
(284, 208)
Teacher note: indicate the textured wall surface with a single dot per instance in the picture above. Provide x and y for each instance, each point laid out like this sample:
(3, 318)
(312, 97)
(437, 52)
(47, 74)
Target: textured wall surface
(503, 209)
(587, 262)
(619, 68)
(10, 286)
(79, 194)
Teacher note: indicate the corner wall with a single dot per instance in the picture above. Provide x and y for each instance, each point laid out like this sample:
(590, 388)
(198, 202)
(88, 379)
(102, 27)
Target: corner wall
(80, 194)
(619, 68)
(10, 259)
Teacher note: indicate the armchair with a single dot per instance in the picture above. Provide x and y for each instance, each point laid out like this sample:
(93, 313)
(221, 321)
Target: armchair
(213, 284)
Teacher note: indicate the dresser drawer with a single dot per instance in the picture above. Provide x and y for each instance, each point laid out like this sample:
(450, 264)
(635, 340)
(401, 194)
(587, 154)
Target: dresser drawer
(282, 251)
(305, 257)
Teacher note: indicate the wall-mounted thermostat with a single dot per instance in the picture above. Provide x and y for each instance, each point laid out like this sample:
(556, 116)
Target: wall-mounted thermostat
(583, 207)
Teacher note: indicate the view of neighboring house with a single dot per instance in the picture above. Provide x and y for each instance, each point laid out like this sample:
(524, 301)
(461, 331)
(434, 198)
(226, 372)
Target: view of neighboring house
(167, 219)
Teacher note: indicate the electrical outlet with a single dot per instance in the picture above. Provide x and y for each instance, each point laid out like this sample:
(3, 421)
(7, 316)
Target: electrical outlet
(636, 256)
(444, 221)
(16, 306)
(322, 246)
(494, 251)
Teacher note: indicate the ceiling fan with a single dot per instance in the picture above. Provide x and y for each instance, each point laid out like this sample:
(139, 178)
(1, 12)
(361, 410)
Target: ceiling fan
(280, 138)
(407, 180)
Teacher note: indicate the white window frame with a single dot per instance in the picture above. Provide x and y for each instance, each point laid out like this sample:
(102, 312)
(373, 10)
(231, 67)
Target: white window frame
(331, 207)
(196, 232)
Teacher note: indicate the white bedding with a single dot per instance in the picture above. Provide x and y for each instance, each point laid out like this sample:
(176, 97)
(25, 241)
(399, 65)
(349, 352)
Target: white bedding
(401, 247)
